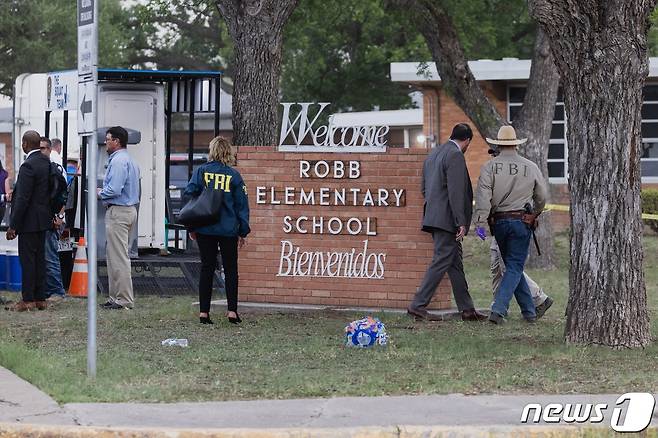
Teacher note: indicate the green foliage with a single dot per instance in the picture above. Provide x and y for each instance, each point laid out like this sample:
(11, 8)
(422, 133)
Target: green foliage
(340, 52)
(652, 37)
(650, 206)
(337, 51)
(493, 29)
(41, 36)
(116, 35)
(181, 34)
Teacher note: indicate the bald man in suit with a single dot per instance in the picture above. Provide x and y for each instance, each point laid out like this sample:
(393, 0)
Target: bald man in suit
(30, 218)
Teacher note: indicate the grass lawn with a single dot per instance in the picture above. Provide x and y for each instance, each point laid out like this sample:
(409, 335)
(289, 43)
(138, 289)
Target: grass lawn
(300, 354)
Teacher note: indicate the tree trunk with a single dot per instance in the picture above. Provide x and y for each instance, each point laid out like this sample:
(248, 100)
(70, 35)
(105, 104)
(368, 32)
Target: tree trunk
(256, 27)
(255, 94)
(457, 79)
(535, 122)
(600, 50)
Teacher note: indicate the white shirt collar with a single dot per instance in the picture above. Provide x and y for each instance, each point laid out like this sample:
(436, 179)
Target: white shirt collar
(31, 152)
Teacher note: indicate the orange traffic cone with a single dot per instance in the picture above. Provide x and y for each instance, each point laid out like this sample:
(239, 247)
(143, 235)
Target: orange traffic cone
(78, 286)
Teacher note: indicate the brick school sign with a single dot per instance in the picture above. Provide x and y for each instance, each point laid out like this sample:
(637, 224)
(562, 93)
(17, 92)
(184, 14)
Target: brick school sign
(334, 228)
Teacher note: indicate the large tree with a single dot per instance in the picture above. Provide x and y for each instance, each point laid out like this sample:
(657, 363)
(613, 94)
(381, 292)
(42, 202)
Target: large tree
(256, 27)
(535, 119)
(41, 35)
(600, 48)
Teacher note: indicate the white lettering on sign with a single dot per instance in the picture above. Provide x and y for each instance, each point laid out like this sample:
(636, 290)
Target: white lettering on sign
(294, 262)
(62, 90)
(632, 412)
(327, 196)
(321, 169)
(260, 195)
(299, 134)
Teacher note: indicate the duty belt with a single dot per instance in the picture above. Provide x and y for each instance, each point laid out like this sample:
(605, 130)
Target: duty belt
(517, 214)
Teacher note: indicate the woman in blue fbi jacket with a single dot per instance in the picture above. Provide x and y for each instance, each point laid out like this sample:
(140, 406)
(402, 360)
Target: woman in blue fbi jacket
(230, 230)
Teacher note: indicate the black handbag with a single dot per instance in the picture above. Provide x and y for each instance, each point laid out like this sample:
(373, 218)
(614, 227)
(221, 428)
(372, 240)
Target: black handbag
(202, 210)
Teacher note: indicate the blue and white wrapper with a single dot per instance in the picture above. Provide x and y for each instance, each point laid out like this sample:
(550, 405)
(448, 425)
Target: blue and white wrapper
(365, 333)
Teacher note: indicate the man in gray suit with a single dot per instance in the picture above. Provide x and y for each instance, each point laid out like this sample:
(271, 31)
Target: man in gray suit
(448, 208)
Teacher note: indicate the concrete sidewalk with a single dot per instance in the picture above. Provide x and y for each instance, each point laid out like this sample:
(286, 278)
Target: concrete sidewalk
(21, 402)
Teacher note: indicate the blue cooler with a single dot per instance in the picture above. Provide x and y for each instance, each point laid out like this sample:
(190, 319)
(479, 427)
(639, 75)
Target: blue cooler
(3, 269)
(14, 272)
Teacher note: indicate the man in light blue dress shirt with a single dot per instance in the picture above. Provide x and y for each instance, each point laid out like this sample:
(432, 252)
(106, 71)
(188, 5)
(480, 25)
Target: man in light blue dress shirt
(120, 194)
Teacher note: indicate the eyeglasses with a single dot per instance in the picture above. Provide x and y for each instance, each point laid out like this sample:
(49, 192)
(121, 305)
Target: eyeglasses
(107, 140)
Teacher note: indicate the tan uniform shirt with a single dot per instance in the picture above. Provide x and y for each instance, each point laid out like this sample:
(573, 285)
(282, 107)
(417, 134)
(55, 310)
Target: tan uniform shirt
(507, 183)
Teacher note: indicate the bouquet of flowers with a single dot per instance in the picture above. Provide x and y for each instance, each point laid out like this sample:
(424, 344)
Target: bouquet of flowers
(365, 333)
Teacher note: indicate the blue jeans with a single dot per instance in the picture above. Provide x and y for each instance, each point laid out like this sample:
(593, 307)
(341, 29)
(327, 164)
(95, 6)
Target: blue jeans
(513, 237)
(54, 284)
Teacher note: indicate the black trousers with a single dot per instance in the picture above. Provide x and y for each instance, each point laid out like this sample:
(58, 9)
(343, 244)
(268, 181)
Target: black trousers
(208, 246)
(32, 255)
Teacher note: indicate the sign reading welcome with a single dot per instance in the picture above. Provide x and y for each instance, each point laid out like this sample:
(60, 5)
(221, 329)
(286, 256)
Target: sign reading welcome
(300, 134)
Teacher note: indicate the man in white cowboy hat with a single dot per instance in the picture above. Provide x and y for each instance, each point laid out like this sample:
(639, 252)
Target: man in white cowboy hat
(542, 301)
(507, 183)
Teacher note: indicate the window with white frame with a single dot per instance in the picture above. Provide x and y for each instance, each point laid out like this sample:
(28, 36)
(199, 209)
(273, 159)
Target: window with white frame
(557, 149)
(649, 159)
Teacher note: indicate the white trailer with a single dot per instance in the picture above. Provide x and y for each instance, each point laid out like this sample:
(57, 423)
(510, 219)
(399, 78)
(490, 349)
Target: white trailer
(140, 100)
(139, 107)
(40, 104)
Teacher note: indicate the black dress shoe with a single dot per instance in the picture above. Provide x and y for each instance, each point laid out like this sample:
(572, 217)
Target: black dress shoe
(473, 315)
(205, 320)
(114, 306)
(422, 314)
(107, 304)
(543, 307)
(235, 320)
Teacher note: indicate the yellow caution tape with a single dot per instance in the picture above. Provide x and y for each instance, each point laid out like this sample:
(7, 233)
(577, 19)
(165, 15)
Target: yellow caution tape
(556, 207)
